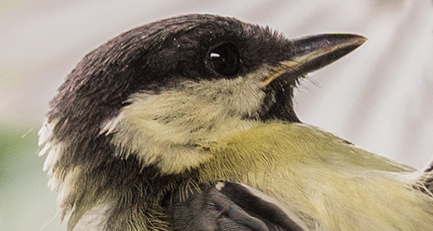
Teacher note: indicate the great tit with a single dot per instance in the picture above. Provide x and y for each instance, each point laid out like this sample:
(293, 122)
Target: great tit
(188, 124)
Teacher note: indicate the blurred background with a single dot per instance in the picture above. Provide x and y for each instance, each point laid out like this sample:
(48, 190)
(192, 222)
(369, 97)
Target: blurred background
(380, 96)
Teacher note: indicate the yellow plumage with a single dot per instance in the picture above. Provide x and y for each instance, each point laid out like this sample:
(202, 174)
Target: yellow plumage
(328, 183)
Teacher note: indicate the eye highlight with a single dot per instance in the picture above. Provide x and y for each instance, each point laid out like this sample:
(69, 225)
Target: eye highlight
(224, 59)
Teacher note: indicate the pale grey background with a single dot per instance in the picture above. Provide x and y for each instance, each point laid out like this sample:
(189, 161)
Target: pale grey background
(380, 96)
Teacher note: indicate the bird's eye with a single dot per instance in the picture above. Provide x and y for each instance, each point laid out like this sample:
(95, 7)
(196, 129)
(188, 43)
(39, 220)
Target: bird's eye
(224, 59)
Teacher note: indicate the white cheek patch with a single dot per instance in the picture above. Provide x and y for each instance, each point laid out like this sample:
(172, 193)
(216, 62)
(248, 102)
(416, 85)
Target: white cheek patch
(176, 129)
(141, 137)
(170, 145)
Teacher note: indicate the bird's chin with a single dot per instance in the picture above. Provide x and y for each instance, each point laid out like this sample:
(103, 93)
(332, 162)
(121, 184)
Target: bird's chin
(278, 105)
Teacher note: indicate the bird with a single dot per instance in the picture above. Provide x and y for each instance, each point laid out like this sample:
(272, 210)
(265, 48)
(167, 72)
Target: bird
(188, 123)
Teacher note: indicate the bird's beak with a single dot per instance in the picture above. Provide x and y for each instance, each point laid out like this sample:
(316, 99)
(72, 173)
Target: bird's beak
(313, 52)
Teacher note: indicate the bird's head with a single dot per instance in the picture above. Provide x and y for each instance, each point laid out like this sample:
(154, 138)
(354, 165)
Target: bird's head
(162, 94)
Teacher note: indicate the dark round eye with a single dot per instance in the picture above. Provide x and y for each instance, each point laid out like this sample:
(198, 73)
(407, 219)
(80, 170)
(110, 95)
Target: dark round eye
(224, 59)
